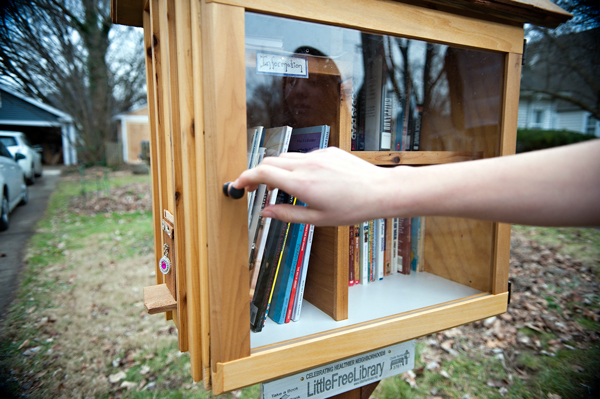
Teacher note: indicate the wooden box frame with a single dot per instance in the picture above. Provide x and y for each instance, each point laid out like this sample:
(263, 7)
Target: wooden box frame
(198, 120)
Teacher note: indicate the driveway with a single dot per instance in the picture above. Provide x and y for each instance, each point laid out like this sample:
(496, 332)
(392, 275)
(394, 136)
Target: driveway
(22, 224)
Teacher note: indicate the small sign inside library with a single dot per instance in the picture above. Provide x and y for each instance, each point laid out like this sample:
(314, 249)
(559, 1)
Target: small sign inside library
(344, 375)
(281, 65)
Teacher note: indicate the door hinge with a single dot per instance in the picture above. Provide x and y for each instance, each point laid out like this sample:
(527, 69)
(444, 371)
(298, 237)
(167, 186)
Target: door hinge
(524, 51)
(509, 291)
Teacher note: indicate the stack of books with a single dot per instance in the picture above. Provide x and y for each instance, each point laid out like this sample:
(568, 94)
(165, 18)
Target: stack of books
(279, 251)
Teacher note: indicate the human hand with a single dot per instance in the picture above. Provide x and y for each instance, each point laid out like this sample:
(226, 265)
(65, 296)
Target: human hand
(338, 188)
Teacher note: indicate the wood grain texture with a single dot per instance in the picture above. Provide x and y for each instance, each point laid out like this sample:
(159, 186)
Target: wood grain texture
(203, 335)
(538, 12)
(274, 362)
(154, 173)
(158, 299)
(384, 16)
(189, 189)
(393, 158)
(510, 115)
(460, 250)
(225, 158)
(169, 24)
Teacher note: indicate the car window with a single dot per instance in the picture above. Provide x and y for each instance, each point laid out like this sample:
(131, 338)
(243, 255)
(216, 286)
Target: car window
(8, 141)
(4, 152)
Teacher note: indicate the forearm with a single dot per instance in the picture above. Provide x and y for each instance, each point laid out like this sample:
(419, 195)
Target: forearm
(552, 187)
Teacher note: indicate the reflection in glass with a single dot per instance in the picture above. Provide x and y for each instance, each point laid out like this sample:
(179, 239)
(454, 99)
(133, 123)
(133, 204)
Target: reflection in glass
(399, 94)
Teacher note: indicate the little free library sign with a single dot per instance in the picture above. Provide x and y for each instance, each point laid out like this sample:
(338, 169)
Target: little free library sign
(344, 375)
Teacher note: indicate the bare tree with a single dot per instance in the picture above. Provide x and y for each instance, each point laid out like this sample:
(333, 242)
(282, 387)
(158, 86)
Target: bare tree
(68, 54)
(562, 64)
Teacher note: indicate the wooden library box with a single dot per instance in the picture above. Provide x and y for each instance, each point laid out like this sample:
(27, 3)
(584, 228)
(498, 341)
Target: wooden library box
(452, 71)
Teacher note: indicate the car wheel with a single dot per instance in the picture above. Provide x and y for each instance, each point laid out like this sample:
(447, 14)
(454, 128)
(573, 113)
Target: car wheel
(31, 178)
(24, 196)
(4, 213)
(40, 173)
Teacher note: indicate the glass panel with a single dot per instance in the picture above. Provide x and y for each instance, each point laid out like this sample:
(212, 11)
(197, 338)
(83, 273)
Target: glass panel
(401, 94)
(376, 93)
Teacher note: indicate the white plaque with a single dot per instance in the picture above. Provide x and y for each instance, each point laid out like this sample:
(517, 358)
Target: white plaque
(281, 65)
(344, 375)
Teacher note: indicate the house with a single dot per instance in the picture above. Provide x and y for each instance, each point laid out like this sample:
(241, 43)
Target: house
(133, 129)
(560, 79)
(43, 125)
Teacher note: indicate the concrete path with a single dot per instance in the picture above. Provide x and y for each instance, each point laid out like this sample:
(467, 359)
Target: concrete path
(22, 225)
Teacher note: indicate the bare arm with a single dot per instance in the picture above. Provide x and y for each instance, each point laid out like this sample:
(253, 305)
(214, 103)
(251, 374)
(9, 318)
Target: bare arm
(559, 187)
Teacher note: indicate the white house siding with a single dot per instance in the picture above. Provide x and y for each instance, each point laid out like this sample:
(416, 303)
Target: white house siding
(528, 111)
(574, 121)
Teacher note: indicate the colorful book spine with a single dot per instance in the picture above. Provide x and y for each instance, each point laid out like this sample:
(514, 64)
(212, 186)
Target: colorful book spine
(404, 245)
(356, 254)
(364, 253)
(297, 274)
(417, 243)
(380, 248)
(388, 248)
(300, 295)
(351, 256)
(372, 252)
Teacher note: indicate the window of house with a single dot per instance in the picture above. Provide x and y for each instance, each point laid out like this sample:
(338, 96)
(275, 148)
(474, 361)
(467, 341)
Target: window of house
(590, 127)
(538, 117)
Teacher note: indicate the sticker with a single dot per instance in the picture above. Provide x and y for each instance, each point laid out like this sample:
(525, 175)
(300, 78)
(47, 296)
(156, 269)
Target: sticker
(281, 65)
(344, 375)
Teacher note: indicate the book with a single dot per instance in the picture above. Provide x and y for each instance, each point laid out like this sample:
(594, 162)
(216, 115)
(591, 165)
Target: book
(356, 254)
(275, 141)
(372, 250)
(380, 249)
(267, 271)
(253, 141)
(417, 237)
(418, 119)
(252, 212)
(375, 78)
(364, 253)
(302, 140)
(304, 228)
(278, 256)
(283, 283)
(388, 248)
(302, 281)
(351, 256)
(404, 245)
(395, 267)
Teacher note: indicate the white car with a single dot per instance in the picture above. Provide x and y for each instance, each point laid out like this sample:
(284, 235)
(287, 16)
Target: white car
(16, 142)
(13, 190)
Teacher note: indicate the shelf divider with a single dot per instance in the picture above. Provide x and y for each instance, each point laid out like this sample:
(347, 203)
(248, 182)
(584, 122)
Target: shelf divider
(393, 158)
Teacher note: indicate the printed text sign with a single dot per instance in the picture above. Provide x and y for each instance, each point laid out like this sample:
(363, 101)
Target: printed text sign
(344, 375)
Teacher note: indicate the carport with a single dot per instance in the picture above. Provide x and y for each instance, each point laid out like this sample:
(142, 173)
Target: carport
(43, 125)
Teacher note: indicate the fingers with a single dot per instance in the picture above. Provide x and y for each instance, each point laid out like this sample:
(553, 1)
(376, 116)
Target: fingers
(291, 213)
(270, 175)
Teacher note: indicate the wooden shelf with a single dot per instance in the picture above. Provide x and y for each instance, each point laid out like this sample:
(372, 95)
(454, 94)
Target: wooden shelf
(393, 158)
(158, 299)
(393, 295)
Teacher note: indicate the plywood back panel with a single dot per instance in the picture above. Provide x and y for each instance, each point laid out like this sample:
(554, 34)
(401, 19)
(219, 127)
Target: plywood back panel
(460, 250)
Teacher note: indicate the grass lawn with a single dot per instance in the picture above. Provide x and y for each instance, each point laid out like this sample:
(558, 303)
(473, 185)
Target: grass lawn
(78, 327)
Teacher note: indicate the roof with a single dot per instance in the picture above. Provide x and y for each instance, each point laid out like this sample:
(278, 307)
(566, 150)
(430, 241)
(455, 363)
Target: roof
(15, 107)
(537, 12)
